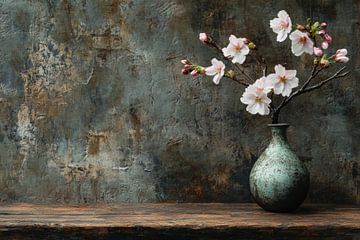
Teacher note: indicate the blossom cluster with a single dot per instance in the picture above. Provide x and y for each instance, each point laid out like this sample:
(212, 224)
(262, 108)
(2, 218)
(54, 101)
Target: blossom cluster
(258, 95)
(304, 37)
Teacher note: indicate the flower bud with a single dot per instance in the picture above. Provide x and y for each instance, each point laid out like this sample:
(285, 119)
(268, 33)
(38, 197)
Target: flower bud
(231, 73)
(251, 45)
(316, 61)
(340, 56)
(342, 52)
(324, 45)
(194, 73)
(321, 32)
(342, 59)
(184, 71)
(318, 52)
(323, 24)
(204, 37)
(200, 69)
(187, 66)
(328, 38)
(185, 61)
(300, 27)
(324, 63)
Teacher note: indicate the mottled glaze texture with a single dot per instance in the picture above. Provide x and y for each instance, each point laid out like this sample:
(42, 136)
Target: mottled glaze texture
(93, 106)
(279, 181)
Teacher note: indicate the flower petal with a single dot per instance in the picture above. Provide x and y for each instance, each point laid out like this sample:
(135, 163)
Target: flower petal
(282, 35)
(280, 70)
(239, 58)
(210, 71)
(283, 15)
(278, 87)
(217, 78)
(290, 74)
(293, 82)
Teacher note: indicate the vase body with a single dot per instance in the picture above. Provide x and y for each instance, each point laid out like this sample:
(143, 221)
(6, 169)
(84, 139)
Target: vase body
(279, 181)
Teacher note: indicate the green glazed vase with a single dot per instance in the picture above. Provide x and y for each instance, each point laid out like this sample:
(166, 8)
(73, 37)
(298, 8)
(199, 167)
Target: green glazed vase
(279, 181)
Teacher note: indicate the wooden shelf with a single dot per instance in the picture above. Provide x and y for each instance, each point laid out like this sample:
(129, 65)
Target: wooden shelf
(176, 221)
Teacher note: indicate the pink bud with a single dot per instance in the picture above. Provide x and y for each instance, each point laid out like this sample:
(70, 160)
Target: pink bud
(328, 38)
(184, 61)
(194, 73)
(318, 52)
(342, 59)
(341, 52)
(323, 24)
(324, 45)
(184, 71)
(245, 40)
(322, 32)
(340, 56)
(203, 37)
(187, 66)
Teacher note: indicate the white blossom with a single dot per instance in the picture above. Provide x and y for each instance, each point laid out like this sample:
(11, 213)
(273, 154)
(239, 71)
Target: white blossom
(283, 81)
(281, 25)
(217, 70)
(256, 99)
(237, 49)
(300, 43)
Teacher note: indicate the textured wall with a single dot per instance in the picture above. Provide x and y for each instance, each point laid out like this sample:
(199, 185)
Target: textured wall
(94, 108)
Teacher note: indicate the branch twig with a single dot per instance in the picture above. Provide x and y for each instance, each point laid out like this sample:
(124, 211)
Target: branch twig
(303, 89)
(237, 80)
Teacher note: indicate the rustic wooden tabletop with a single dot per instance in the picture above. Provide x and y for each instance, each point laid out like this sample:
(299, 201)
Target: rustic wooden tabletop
(176, 221)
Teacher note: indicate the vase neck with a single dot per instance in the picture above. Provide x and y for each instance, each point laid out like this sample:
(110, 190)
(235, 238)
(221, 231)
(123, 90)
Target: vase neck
(279, 132)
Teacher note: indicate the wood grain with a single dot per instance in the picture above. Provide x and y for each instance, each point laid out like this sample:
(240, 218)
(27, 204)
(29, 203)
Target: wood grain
(176, 221)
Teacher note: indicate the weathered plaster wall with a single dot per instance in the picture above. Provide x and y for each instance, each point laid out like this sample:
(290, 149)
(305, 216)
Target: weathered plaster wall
(93, 106)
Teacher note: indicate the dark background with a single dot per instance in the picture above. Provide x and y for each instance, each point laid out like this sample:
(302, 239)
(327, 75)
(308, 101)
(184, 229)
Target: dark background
(93, 106)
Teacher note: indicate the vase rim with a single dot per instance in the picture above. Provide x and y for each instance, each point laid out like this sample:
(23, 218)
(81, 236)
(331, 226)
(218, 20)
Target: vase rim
(278, 125)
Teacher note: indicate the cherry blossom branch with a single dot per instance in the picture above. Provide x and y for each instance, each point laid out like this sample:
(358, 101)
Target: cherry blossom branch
(320, 84)
(314, 73)
(218, 48)
(304, 88)
(261, 63)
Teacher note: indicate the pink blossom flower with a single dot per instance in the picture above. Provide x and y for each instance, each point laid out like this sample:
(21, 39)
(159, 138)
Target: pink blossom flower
(185, 61)
(301, 43)
(328, 38)
(322, 32)
(318, 51)
(194, 73)
(203, 37)
(236, 49)
(340, 56)
(217, 70)
(283, 81)
(262, 85)
(184, 71)
(281, 25)
(323, 24)
(324, 45)
(256, 99)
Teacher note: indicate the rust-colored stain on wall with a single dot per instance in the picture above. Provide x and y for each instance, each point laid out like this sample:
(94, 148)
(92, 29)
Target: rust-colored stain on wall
(93, 107)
